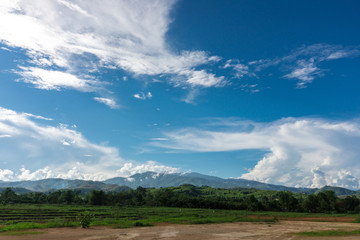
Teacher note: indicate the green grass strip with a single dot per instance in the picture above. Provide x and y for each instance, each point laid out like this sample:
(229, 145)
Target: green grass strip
(16, 233)
(329, 233)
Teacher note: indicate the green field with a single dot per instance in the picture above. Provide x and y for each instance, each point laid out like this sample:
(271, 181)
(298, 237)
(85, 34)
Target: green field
(19, 217)
(329, 233)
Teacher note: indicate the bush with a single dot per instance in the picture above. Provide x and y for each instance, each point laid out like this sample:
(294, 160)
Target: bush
(142, 224)
(85, 219)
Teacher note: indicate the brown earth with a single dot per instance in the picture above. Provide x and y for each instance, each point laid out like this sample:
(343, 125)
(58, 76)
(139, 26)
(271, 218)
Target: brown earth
(223, 231)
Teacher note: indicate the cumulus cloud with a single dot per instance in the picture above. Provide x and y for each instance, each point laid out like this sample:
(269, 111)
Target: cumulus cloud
(150, 166)
(302, 152)
(31, 151)
(66, 40)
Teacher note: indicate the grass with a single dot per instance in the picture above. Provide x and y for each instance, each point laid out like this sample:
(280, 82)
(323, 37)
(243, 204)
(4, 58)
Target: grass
(329, 233)
(18, 233)
(19, 217)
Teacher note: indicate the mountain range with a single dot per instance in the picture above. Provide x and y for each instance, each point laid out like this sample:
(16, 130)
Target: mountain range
(158, 180)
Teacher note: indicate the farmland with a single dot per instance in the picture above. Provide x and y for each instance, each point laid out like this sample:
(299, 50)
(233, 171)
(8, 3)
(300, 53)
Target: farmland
(24, 221)
(34, 214)
(31, 216)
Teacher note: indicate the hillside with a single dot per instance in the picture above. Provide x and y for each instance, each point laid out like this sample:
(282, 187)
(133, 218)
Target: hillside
(161, 180)
(51, 184)
(157, 180)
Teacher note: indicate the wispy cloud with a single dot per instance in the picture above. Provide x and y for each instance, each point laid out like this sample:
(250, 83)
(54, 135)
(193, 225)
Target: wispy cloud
(107, 101)
(38, 117)
(30, 151)
(302, 152)
(240, 70)
(143, 96)
(305, 72)
(68, 39)
(57, 80)
(303, 64)
(5, 136)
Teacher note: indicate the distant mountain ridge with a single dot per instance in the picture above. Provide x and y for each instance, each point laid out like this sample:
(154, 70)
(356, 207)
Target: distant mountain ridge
(158, 180)
(52, 184)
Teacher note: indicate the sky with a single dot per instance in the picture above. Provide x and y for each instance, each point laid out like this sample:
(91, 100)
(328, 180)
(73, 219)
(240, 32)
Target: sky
(260, 90)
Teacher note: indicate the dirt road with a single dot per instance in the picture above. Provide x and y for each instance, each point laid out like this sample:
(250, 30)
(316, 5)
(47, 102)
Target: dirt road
(224, 231)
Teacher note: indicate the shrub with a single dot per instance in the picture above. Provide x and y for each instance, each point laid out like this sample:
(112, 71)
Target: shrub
(85, 219)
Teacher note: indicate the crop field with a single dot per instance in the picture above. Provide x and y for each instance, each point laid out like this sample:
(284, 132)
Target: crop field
(18, 217)
(42, 221)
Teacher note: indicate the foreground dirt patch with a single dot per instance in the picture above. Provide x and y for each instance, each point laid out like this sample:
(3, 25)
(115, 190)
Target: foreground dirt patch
(224, 231)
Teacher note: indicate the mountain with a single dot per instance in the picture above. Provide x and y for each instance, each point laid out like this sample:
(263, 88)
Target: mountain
(52, 184)
(157, 180)
(339, 191)
(16, 190)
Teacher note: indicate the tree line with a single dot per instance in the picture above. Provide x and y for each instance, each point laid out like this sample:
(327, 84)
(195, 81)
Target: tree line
(323, 202)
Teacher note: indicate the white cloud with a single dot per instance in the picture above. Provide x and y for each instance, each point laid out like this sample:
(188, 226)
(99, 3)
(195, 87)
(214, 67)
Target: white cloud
(38, 117)
(130, 169)
(240, 69)
(56, 80)
(303, 64)
(309, 58)
(302, 152)
(33, 151)
(143, 96)
(159, 139)
(107, 101)
(305, 72)
(203, 79)
(66, 40)
(6, 174)
(5, 136)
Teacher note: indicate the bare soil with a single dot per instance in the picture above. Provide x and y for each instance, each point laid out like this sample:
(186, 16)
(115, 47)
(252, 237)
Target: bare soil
(223, 231)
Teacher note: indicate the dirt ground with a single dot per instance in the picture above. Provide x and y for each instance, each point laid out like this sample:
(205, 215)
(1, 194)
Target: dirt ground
(223, 231)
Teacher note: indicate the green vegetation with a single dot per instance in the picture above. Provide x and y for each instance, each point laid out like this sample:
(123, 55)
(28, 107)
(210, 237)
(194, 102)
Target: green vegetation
(18, 233)
(19, 217)
(185, 204)
(329, 233)
(85, 219)
(189, 196)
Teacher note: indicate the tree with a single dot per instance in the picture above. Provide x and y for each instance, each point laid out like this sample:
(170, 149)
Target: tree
(67, 196)
(327, 200)
(8, 195)
(287, 201)
(97, 197)
(252, 203)
(54, 197)
(351, 203)
(311, 203)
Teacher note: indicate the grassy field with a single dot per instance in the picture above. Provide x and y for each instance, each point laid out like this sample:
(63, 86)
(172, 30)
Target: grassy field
(18, 217)
(329, 233)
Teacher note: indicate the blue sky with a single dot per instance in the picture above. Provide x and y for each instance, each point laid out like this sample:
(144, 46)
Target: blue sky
(262, 90)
